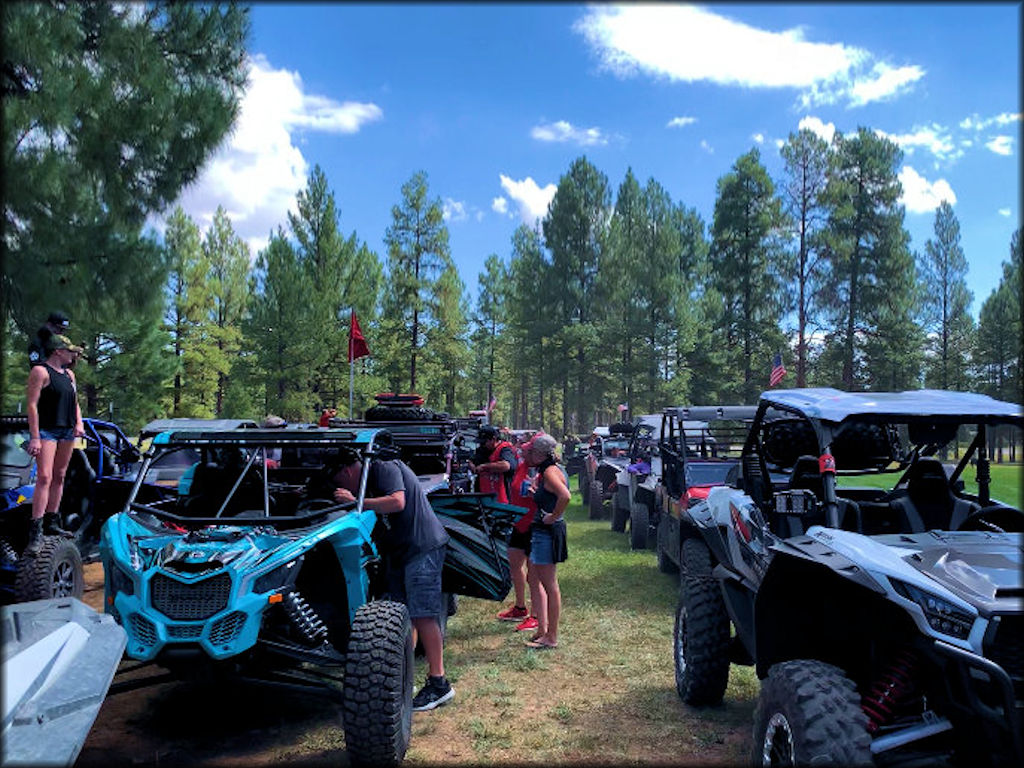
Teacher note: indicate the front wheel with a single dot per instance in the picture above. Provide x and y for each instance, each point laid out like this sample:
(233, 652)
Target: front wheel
(596, 504)
(56, 571)
(809, 713)
(701, 636)
(584, 486)
(639, 523)
(377, 714)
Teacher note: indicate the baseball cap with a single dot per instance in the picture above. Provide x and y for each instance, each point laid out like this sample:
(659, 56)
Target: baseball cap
(59, 341)
(487, 432)
(59, 318)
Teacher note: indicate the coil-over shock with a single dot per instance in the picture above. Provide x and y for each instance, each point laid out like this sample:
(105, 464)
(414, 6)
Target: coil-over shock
(304, 618)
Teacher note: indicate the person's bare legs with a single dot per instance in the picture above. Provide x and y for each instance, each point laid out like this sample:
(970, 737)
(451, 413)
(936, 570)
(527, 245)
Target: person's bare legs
(548, 577)
(61, 458)
(538, 599)
(429, 632)
(517, 565)
(44, 478)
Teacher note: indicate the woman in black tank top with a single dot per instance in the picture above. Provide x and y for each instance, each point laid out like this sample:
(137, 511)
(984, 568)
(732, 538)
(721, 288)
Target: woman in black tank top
(547, 542)
(54, 421)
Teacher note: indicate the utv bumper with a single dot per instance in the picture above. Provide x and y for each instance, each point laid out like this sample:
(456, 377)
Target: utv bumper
(982, 693)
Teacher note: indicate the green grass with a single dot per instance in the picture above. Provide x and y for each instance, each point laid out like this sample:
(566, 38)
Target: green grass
(606, 695)
(1005, 485)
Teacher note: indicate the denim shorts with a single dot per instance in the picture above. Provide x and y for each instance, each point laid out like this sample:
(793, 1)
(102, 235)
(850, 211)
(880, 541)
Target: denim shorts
(418, 584)
(57, 434)
(547, 544)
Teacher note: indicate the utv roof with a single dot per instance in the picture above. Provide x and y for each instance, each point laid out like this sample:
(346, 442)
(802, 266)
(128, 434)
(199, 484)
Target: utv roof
(273, 437)
(167, 425)
(712, 412)
(834, 405)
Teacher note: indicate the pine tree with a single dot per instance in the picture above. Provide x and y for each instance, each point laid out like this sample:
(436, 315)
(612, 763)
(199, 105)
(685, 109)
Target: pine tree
(947, 302)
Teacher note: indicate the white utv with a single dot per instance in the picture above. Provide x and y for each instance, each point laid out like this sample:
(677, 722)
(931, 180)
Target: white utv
(869, 575)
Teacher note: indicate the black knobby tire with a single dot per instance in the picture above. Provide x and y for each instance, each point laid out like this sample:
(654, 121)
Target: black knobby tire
(595, 504)
(809, 713)
(8, 554)
(665, 564)
(584, 486)
(620, 515)
(701, 635)
(377, 713)
(55, 572)
(639, 525)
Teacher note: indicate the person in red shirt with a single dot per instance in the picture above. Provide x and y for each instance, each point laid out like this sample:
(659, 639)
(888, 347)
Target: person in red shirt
(521, 495)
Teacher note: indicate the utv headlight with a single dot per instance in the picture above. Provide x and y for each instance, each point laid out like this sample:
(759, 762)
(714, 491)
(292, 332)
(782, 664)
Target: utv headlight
(941, 615)
(274, 579)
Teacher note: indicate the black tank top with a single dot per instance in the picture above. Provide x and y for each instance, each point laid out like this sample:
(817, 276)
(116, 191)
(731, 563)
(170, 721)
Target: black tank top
(57, 401)
(545, 499)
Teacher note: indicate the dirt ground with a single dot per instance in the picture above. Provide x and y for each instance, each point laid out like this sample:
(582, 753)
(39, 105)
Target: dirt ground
(205, 724)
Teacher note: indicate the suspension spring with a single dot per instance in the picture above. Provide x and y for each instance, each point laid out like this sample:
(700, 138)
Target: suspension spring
(893, 687)
(304, 618)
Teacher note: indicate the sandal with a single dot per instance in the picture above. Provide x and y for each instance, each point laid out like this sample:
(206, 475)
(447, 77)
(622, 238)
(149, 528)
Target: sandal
(536, 645)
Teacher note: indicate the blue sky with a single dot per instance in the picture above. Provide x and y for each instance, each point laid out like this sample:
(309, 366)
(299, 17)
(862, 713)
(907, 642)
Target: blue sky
(495, 101)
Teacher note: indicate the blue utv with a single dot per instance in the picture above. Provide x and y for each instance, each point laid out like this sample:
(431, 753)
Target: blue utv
(242, 573)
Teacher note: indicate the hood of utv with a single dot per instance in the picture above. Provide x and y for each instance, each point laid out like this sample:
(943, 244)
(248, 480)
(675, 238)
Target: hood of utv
(980, 567)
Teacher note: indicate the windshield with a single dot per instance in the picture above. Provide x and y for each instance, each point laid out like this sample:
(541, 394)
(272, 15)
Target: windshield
(707, 473)
(615, 447)
(12, 449)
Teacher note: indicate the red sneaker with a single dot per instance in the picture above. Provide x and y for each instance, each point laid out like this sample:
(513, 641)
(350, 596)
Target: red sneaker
(527, 624)
(515, 613)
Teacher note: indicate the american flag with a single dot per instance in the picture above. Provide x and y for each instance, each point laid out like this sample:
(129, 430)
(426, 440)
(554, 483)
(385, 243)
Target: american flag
(490, 406)
(778, 370)
(623, 407)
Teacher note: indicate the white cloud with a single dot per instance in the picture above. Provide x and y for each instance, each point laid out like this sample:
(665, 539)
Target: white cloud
(978, 123)
(259, 169)
(453, 210)
(499, 205)
(1005, 212)
(779, 143)
(563, 131)
(691, 44)
(884, 82)
(934, 138)
(680, 122)
(921, 195)
(533, 200)
(707, 147)
(823, 130)
(1001, 145)
(758, 137)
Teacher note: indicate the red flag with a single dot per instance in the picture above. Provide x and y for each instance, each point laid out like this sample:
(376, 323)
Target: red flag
(778, 371)
(356, 341)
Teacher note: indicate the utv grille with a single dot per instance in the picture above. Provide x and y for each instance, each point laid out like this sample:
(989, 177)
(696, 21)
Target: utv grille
(225, 630)
(143, 629)
(185, 631)
(1007, 648)
(189, 602)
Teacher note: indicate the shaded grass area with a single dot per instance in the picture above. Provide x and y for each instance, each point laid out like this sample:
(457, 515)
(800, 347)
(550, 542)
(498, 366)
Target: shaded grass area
(605, 696)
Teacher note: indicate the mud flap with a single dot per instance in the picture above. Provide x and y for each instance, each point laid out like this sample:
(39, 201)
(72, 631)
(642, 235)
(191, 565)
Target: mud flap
(476, 563)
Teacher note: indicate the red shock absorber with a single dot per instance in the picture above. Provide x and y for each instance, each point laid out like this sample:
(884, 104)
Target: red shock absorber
(891, 688)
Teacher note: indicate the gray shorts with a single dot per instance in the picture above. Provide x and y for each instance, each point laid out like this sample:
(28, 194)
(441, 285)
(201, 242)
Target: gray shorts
(418, 584)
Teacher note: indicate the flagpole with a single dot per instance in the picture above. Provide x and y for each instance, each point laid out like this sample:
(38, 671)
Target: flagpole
(351, 366)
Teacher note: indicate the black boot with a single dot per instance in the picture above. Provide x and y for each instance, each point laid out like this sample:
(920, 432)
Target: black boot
(35, 537)
(51, 526)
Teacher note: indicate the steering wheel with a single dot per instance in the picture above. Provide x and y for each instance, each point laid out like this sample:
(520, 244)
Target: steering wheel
(993, 518)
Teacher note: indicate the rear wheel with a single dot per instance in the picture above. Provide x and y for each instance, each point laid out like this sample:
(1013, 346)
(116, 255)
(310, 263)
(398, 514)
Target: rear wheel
(701, 636)
(595, 504)
(55, 572)
(639, 523)
(377, 714)
(620, 514)
(809, 713)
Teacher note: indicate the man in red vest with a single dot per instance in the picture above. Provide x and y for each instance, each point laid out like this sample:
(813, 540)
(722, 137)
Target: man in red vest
(495, 474)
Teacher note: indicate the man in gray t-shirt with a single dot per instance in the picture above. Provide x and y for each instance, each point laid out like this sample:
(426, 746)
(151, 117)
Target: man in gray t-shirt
(414, 541)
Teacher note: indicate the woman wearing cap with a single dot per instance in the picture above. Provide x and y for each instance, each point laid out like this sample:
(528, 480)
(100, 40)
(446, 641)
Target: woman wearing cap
(547, 540)
(54, 421)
